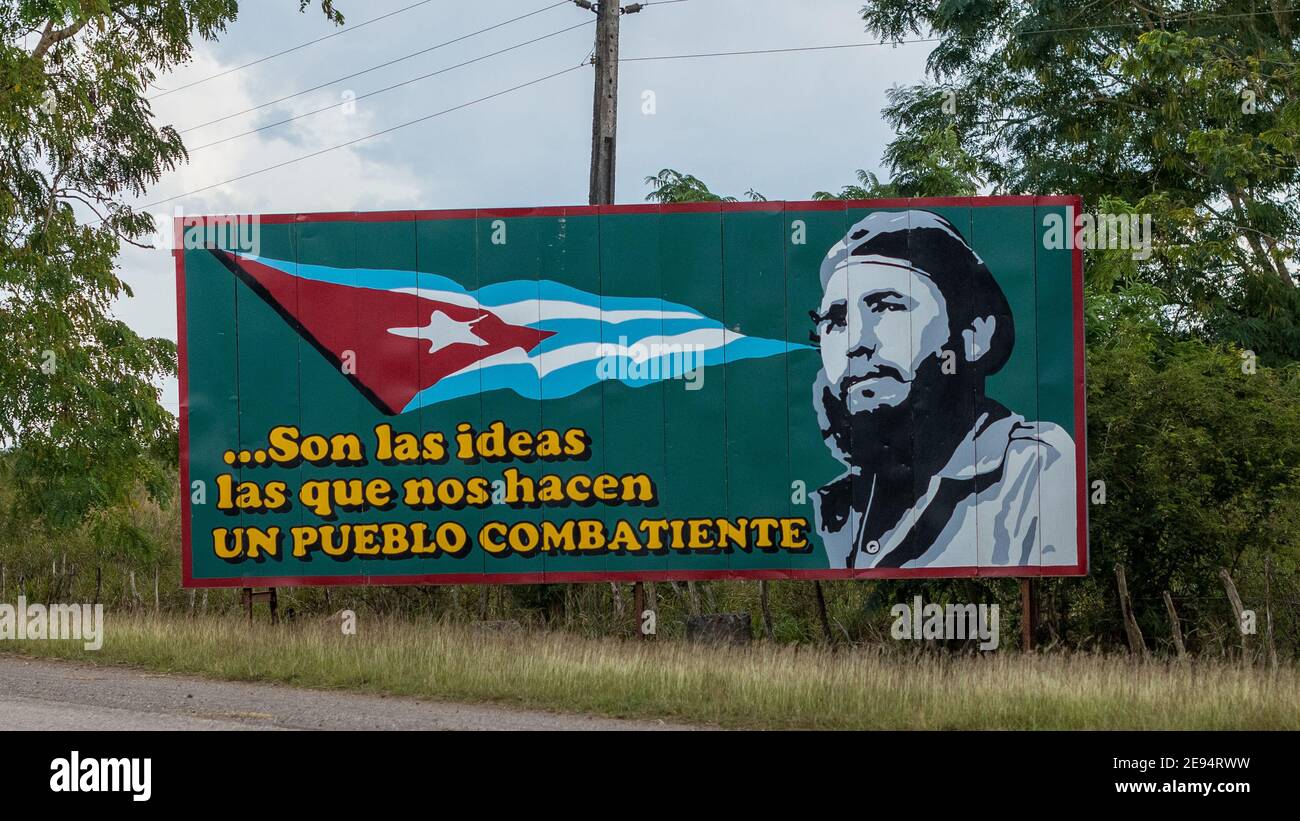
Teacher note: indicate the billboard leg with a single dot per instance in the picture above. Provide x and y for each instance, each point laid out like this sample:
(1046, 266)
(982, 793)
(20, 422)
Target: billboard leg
(1029, 614)
(248, 597)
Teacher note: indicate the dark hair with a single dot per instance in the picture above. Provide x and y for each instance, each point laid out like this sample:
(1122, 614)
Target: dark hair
(934, 247)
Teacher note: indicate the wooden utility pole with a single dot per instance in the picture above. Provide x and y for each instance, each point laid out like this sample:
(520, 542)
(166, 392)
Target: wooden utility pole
(604, 145)
(604, 114)
(604, 118)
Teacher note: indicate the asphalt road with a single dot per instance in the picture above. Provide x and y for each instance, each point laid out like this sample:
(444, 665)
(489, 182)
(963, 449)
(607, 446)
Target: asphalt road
(60, 695)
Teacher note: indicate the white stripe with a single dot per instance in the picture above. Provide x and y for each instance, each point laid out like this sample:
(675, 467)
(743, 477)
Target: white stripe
(533, 310)
(549, 361)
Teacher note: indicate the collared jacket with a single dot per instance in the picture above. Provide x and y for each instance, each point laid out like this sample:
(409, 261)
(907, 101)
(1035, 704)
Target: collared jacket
(1008, 496)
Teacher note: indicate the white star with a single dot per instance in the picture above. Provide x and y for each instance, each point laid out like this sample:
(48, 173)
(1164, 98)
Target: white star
(442, 331)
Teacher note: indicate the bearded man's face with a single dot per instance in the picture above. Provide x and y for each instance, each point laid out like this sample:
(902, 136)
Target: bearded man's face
(882, 329)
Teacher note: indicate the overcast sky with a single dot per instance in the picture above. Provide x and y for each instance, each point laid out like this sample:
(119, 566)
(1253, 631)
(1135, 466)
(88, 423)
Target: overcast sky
(784, 124)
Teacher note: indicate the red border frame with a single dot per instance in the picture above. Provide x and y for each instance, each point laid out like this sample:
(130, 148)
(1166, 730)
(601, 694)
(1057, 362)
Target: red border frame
(1080, 422)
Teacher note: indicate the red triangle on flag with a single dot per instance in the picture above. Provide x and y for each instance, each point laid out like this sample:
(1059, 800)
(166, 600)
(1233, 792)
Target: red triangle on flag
(399, 343)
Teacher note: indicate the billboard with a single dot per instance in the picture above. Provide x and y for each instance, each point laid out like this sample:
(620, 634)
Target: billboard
(866, 389)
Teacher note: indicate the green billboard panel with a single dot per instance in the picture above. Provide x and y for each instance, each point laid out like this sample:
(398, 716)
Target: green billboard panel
(871, 389)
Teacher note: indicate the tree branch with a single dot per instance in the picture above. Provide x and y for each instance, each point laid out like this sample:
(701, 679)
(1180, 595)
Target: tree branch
(51, 36)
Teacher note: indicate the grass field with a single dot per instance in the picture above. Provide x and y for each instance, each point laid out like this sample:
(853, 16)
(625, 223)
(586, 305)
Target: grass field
(766, 686)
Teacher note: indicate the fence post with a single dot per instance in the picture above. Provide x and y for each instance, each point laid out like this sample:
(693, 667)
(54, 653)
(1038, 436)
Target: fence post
(767, 611)
(638, 606)
(1268, 610)
(1136, 643)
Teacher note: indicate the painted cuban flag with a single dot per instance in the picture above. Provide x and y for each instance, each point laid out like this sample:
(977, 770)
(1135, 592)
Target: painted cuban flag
(421, 338)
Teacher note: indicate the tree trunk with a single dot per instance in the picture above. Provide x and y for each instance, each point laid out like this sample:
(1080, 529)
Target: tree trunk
(618, 600)
(821, 611)
(1136, 644)
(1175, 627)
(1237, 610)
(693, 594)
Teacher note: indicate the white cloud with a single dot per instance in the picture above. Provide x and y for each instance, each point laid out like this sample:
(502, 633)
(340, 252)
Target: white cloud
(785, 124)
(341, 180)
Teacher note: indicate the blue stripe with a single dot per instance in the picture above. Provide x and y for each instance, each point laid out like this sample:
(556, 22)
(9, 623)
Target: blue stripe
(489, 296)
(522, 377)
(575, 331)
(558, 384)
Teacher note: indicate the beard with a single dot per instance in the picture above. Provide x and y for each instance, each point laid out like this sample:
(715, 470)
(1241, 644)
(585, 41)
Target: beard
(935, 416)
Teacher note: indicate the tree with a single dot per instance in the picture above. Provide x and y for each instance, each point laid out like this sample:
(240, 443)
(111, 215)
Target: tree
(936, 166)
(1199, 450)
(1189, 113)
(673, 186)
(79, 410)
(867, 187)
(933, 166)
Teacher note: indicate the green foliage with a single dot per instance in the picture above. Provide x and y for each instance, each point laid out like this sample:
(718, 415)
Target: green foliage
(1200, 457)
(868, 187)
(673, 186)
(79, 412)
(931, 164)
(1189, 112)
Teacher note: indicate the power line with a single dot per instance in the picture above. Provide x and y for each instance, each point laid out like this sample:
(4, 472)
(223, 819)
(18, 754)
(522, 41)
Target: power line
(625, 59)
(361, 139)
(372, 68)
(893, 43)
(1189, 17)
(768, 51)
(604, 110)
(332, 106)
(260, 60)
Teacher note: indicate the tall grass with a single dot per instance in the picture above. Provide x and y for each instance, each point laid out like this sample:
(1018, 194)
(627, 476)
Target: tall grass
(765, 686)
